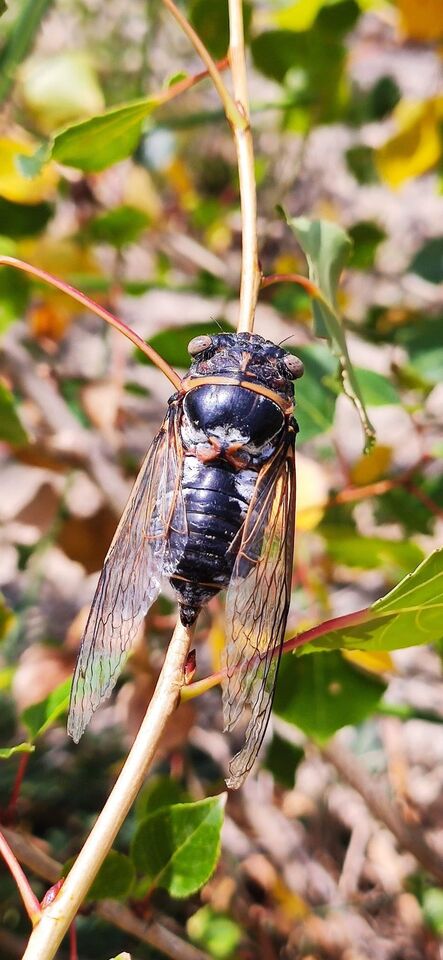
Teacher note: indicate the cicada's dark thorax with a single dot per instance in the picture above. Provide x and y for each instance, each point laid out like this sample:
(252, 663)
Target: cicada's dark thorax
(228, 433)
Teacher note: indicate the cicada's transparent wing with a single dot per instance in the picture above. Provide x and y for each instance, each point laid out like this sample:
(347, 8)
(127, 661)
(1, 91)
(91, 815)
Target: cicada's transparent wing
(131, 576)
(257, 605)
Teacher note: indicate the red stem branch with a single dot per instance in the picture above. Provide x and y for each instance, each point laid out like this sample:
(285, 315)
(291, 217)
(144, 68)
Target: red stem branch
(85, 301)
(297, 278)
(15, 792)
(28, 896)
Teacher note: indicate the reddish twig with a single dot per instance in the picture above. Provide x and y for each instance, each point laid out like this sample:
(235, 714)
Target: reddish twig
(73, 951)
(30, 901)
(90, 304)
(301, 281)
(11, 809)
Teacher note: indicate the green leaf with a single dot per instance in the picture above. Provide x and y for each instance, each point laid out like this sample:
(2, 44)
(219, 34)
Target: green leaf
(115, 878)
(94, 144)
(376, 390)
(7, 752)
(315, 398)
(177, 847)
(119, 227)
(424, 344)
(433, 909)
(213, 27)
(38, 717)
(360, 161)
(410, 615)
(6, 617)
(172, 343)
(371, 553)
(19, 41)
(215, 932)
(282, 759)
(11, 428)
(366, 237)
(323, 693)
(327, 249)
(14, 289)
(428, 262)
(23, 219)
(158, 792)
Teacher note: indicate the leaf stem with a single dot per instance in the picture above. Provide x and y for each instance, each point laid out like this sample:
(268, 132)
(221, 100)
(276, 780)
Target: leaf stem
(308, 285)
(195, 689)
(250, 269)
(183, 85)
(55, 921)
(85, 301)
(233, 114)
(28, 896)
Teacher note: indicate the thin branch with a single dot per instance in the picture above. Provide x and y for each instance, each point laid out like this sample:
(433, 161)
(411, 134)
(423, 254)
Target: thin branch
(250, 271)
(301, 281)
(195, 689)
(28, 896)
(233, 114)
(383, 808)
(152, 932)
(85, 301)
(55, 921)
(183, 85)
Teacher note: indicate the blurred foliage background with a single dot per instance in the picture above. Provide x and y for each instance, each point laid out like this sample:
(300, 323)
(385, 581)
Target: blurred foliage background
(138, 207)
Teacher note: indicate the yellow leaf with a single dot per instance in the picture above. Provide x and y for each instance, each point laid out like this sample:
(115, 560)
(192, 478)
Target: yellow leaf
(139, 191)
(312, 493)
(375, 661)
(15, 187)
(59, 89)
(291, 905)
(421, 19)
(372, 465)
(415, 147)
(217, 639)
(52, 314)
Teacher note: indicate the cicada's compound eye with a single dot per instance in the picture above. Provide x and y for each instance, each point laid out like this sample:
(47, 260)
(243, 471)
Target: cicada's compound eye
(294, 366)
(199, 345)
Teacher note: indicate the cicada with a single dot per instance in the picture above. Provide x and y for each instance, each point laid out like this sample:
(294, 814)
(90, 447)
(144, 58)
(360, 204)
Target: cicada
(213, 508)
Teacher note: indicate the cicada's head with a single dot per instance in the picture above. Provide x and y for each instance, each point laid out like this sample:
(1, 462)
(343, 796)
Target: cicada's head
(245, 356)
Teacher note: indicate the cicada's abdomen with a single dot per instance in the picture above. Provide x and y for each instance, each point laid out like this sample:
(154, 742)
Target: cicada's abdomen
(227, 433)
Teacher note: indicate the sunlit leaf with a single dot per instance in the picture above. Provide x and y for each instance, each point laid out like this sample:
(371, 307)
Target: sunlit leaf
(215, 932)
(11, 428)
(94, 144)
(13, 185)
(312, 493)
(177, 847)
(7, 752)
(59, 89)
(421, 21)
(371, 553)
(376, 661)
(371, 466)
(40, 716)
(415, 147)
(433, 909)
(411, 614)
(323, 693)
(327, 249)
(376, 390)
